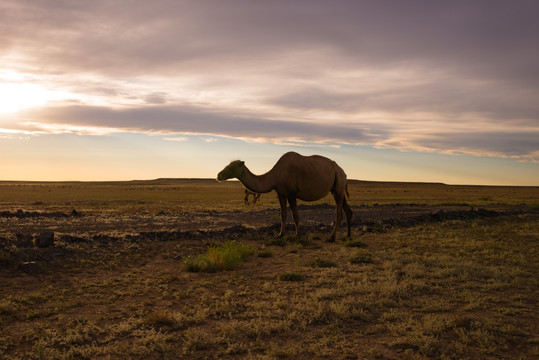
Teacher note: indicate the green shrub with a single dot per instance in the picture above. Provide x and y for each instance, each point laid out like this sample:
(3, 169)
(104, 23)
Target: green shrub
(322, 263)
(227, 256)
(361, 257)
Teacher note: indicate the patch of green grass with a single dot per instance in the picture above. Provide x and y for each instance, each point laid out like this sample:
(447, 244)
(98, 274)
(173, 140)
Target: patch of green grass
(356, 244)
(361, 257)
(322, 263)
(227, 256)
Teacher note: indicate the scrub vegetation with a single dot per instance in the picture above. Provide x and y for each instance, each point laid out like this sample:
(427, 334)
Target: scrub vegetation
(227, 256)
(183, 269)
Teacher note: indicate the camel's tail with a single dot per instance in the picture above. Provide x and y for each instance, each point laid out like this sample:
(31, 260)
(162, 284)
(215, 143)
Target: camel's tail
(346, 191)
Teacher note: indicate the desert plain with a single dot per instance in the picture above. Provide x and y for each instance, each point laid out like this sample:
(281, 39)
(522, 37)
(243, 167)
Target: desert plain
(184, 269)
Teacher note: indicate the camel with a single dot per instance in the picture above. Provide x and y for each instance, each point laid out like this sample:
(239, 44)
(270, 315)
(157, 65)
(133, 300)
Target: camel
(293, 177)
(255, 197)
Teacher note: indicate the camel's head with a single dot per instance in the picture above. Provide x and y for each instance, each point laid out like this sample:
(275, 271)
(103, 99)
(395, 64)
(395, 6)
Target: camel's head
(233, 170)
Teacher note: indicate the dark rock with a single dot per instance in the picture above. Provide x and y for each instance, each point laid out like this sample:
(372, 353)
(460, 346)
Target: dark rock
(45, 239)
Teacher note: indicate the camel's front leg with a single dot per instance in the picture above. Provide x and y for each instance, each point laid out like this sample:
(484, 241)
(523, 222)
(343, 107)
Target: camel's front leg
(282, 202)
(294, 206)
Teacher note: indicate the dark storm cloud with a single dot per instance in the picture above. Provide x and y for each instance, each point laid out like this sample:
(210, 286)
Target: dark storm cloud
(192, 121)
(514, 144)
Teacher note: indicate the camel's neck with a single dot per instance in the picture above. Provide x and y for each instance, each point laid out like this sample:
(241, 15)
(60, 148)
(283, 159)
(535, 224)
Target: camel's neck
(257, 183)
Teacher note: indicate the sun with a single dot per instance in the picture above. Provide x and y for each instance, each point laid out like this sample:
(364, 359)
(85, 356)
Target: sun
(15, 97)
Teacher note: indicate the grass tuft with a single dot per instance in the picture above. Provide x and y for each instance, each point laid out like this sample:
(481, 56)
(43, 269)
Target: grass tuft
(227, 256)
(361, 257)
(356, 244)
(322, 263)
(160, 318)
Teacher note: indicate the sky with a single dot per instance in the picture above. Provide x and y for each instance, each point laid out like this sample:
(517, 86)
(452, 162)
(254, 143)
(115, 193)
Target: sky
(428, 91)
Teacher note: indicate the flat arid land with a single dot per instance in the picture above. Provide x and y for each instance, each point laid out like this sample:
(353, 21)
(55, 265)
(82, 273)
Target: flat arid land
(184, 269)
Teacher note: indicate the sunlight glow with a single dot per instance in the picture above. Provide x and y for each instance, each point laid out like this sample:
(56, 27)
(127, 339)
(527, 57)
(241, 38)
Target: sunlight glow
(16, 97)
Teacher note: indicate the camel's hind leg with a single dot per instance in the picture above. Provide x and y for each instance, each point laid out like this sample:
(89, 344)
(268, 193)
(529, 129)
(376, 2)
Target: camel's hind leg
(348, 213)
(255, 198)
(339, 199)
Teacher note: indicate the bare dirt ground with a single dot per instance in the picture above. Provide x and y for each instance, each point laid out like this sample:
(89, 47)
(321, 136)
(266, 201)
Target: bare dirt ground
(224, 224)
(423, 276)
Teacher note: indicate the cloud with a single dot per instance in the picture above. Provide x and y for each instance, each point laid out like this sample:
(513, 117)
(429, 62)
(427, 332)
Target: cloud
(175, 122)
(176, 138)
(510, 144)
(178, 120)
(420, 75)
(156, 98)
(488, 37)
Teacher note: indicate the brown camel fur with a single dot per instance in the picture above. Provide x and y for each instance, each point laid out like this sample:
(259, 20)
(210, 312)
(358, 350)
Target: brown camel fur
(294, 177)
(255, 197)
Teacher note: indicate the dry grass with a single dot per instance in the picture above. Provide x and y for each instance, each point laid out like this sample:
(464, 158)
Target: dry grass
(459, 289)
(192, 195)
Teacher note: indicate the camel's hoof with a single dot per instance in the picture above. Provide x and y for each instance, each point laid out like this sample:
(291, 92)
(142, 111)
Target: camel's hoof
(330, 240)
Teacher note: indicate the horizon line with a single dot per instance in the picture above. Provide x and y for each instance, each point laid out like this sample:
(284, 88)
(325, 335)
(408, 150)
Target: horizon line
(235, 180)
